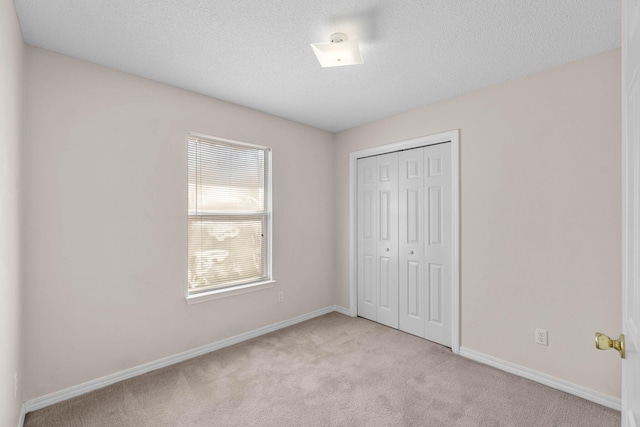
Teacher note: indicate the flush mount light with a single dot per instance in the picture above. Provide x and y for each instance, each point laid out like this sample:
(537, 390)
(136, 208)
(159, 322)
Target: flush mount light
(339, 51)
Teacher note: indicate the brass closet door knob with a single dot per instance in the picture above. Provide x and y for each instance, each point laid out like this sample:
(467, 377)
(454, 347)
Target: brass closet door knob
(603, 342)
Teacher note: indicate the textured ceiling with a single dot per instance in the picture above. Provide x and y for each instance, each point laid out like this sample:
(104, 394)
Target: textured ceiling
(256, 53)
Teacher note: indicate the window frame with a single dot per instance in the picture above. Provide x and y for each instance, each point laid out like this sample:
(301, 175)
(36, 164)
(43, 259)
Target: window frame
(265, 282)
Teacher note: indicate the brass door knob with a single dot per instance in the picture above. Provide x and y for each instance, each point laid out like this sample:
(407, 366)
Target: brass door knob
(603, 342)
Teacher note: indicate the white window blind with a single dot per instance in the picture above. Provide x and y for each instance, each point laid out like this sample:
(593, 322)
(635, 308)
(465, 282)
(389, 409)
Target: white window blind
(229, 217)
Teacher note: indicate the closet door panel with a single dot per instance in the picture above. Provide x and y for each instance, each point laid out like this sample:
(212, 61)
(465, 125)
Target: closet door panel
(438, 245)
(387, 245)
(411, 242)
(367, 253)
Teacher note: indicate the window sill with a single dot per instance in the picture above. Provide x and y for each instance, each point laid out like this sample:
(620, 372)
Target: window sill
(228, 292)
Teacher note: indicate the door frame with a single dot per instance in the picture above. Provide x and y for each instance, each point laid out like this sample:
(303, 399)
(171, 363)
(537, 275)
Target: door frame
(630, 233)
(452, 137)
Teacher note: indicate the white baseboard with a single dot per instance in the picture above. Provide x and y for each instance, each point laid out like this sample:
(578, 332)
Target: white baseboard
(342, 310)
(539, 377)
(71, 392)
(62, 395)
(23, 412)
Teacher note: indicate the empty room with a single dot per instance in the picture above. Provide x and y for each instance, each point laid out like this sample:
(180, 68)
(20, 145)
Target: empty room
(349, 213)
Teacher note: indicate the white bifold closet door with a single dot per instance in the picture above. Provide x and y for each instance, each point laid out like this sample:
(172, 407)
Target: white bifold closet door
(378, 238)
(404, 241)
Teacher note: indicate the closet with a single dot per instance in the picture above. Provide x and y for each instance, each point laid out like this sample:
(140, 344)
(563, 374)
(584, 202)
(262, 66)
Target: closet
(404, 240)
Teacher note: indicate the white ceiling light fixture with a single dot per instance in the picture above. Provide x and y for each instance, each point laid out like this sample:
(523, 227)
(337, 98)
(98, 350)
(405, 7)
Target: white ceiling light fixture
(339, 51)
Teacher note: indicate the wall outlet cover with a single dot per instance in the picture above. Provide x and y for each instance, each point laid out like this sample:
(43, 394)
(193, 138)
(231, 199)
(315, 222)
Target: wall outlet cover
(541, 336)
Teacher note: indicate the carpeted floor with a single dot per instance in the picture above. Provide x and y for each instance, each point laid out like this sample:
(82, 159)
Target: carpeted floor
(330, 371)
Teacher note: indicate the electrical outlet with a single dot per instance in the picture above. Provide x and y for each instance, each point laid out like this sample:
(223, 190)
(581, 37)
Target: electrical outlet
(541, 336)
(15, 385)
(280, 296)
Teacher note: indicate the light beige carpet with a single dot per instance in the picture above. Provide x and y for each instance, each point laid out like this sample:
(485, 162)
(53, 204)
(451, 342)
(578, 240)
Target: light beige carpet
(330, 371)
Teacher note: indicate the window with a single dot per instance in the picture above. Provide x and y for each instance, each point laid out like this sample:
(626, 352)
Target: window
(229, 215)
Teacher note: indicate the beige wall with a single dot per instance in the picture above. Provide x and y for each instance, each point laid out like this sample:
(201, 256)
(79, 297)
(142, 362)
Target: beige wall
(11, 68)
(540, 214)
(105, 214)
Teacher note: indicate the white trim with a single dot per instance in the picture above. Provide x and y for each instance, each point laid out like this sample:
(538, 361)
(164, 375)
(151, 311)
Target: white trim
(455, 241)
(80, 389)
(344, 310)
(453, 137)
(353, 234)
(539, 377)
(267, 214)
(23, 413)
(71, 392)
(228, 292)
